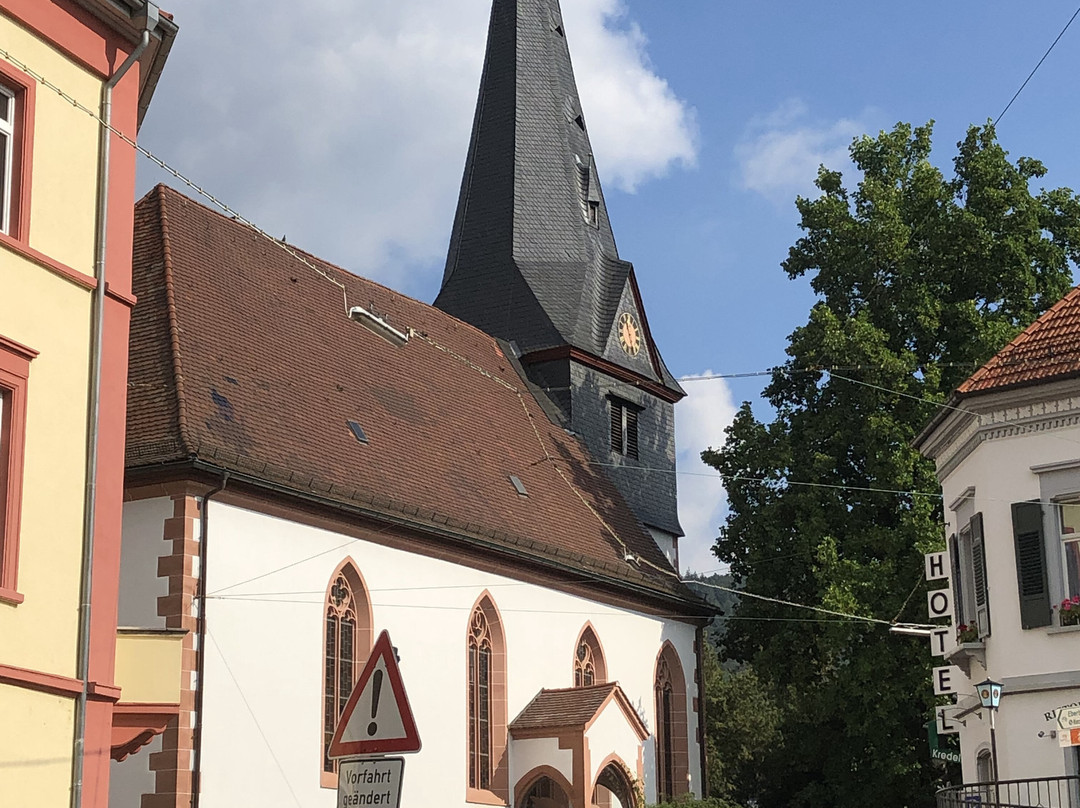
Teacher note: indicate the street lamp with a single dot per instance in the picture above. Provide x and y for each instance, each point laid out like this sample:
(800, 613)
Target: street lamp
(990, 696)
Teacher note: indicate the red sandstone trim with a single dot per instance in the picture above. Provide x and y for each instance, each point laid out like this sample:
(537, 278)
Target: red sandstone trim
(499, 793)
(22, 153)
(44, 261)
(680, 751)
(172, 766)
(75, 31)
(40, 681)
(610, 368)
(14, 380)
(529, 779)
(624, 770)
(588, 634)
(361, 646)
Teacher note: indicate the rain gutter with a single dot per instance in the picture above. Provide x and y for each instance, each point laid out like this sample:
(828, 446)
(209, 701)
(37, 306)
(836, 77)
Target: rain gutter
(94, 408)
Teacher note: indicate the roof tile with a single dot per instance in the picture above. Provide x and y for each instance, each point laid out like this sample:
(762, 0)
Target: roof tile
(1047, 350)
(244, 357)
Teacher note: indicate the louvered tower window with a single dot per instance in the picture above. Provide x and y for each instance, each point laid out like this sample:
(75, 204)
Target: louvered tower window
(624, 428)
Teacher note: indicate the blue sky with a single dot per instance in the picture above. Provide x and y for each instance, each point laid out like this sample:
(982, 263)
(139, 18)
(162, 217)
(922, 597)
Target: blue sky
(343, 125)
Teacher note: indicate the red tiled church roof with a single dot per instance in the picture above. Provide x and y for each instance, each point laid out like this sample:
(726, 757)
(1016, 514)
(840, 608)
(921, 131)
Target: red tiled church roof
(244, 358)
(1047, 350)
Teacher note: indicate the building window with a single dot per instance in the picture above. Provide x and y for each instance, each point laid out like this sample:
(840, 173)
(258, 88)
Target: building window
(479, 701)
(672, 750)
(346, 644)
(7, 146)
(16, 139)
(14, 376)
(1070, 550)
(589, 665)
(972, 596)
(486, 702)
(624, 428)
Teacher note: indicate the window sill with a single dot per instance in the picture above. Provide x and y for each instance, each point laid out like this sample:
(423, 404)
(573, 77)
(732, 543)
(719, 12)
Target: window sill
(481, 796)
(963, 654)
(11, 596)
(1063, 629)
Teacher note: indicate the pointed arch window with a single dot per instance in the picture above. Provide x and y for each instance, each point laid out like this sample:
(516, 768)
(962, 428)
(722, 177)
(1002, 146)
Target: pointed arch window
(346, 644)
(672, 753)
(486, 700)
(479, 701)
(589, 665)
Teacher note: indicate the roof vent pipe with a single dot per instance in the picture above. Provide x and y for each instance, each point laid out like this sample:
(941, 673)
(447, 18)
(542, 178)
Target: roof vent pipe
(377, 325)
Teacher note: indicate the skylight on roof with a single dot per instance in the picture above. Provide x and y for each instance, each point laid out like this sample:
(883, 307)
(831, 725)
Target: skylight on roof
(519, 486)
(358, 432)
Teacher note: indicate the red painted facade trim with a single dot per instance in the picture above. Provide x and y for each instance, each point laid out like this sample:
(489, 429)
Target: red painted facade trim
(14, 380)
(75, 31)
(39, 680)
(136, 724)
(128, 300)
(22, 152)
(610, 368)
(44, 261)
(10, 596)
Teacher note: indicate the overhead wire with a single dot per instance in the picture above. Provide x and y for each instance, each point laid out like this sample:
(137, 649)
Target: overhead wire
(194, 186)
(198, 189)
(1037, 66)
(254, 718)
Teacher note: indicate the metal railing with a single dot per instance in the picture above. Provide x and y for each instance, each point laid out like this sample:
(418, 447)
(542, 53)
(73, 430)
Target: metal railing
(1045, 792)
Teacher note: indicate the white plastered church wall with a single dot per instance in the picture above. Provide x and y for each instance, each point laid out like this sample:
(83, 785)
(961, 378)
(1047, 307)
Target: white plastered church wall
(266, 581)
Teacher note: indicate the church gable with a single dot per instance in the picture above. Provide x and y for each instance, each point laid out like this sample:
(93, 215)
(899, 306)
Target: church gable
(628, 342)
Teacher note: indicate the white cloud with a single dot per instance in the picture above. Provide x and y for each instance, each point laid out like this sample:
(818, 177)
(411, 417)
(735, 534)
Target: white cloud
(700, 420)
(344, 125)
(779, 153)
(637, 125)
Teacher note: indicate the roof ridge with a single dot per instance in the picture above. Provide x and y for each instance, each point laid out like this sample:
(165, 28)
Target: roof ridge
(174, 327)
(348, 273)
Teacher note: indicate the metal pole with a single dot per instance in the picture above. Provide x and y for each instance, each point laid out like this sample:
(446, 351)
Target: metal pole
(993, 753)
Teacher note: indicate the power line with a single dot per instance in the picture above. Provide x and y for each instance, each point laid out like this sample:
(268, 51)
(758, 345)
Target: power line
(251, 712)
(1033, 71)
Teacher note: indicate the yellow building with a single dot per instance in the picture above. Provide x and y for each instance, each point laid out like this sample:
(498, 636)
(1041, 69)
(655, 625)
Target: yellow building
(66, 195)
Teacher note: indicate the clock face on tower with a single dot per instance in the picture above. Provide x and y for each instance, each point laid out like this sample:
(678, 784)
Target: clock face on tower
(629, 334)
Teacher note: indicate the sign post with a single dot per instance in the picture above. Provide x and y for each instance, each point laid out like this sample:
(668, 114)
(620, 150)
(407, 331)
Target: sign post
(376, 719)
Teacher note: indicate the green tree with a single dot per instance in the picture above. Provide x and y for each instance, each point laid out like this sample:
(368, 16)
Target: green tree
(920, 278)
(741, 727)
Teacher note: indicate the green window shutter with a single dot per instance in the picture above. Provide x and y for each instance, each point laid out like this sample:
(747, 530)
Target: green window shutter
(1031, 564)
(978, 576)
(957, 581)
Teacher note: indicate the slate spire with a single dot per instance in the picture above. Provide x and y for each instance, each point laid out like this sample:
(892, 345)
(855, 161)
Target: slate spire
(532, 255)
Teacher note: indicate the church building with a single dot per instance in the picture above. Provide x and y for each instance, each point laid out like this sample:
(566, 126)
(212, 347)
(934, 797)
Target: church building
(313, 459)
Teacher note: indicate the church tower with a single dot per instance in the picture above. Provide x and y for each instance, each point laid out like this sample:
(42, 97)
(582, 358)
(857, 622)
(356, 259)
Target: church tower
(533, 261)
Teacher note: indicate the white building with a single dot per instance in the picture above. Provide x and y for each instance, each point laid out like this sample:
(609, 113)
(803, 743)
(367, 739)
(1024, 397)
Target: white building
(1007, 449)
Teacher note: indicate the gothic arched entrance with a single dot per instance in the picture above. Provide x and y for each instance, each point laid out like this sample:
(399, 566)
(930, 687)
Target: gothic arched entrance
(614, 788)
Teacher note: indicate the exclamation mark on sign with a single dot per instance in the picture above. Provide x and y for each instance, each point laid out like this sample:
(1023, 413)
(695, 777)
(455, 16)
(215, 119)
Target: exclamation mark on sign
(376, 686)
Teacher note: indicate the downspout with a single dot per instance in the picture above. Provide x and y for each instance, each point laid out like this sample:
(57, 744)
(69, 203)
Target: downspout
(200, 666)
(702, 711)
(97, 332)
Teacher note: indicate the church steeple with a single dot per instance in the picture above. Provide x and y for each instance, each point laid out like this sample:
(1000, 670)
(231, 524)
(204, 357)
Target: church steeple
(533, 259)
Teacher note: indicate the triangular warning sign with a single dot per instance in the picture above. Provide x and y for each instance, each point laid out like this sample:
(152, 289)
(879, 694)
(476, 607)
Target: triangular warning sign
(377, 717)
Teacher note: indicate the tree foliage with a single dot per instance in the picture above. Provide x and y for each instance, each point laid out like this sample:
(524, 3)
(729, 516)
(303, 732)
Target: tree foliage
(742, 724)
(920, 278)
